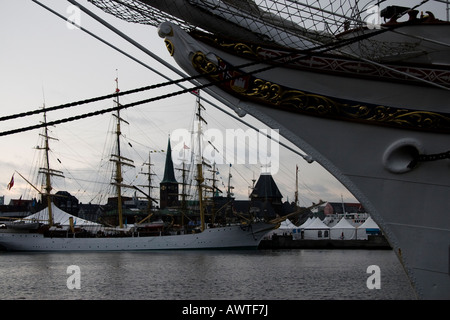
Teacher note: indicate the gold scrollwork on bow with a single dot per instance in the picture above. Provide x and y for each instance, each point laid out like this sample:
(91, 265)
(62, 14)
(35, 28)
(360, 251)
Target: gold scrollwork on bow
(170, 47)
(266, 92)
(236, 47)
(202, 64)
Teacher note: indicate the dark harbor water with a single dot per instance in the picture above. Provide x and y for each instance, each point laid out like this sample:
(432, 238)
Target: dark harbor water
(205, 275)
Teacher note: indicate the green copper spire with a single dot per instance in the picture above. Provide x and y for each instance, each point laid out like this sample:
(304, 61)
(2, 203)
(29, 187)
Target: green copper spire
(169, 174)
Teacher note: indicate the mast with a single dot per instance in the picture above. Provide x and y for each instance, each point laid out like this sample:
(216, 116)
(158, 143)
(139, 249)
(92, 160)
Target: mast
(149, 179)
(183, 191)
(119, 160)
(229, 187)
(47, 171)
(213, 192)
(200, 178)
(251, 194)
(119, 178)
(229, 193)
(48, 185)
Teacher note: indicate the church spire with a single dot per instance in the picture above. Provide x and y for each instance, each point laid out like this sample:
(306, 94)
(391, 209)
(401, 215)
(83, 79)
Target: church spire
(168, 188)
(169, 173)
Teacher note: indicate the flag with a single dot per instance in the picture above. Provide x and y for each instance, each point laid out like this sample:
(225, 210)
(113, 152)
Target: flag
(11, 183)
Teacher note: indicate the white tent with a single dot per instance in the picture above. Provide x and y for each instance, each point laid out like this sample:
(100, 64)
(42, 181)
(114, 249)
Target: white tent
(306, 223)
(287, 224)
(59, 217)
(316, 230)
(285, 227)
(343, 230)
(368, 227)
(297, 231)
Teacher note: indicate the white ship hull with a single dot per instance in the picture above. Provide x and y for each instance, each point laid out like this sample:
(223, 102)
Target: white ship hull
(368, 153)
(231, 237)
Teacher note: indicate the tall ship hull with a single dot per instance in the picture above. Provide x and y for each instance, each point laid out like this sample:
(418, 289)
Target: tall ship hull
(231, 237)
(371, 133)
(368, 133)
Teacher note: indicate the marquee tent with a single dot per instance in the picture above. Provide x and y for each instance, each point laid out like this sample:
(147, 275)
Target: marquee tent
(316, 230)
(343, 230)
(368, 227)
(297, 231)
(306, 223)
(285, 227)
(59, 217)
(287, 224)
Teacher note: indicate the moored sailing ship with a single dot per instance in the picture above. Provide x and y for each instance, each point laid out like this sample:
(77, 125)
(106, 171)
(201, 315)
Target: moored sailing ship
(52, 229)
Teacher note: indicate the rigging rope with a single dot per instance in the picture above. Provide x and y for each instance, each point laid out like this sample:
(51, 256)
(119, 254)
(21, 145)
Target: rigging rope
(307, 53)
(325, 47)
(187, 90)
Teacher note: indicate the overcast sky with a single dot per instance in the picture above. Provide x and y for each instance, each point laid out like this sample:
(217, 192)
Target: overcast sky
(42, 60)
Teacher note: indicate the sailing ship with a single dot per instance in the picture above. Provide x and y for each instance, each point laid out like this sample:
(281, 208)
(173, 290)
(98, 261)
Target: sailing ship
(334, 78)
(52, 229)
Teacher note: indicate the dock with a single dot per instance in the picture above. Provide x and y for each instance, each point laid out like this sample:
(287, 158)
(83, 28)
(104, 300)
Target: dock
(377, 242)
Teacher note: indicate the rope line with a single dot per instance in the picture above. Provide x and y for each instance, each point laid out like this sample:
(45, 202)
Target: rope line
(273, 60)
(306, 54)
